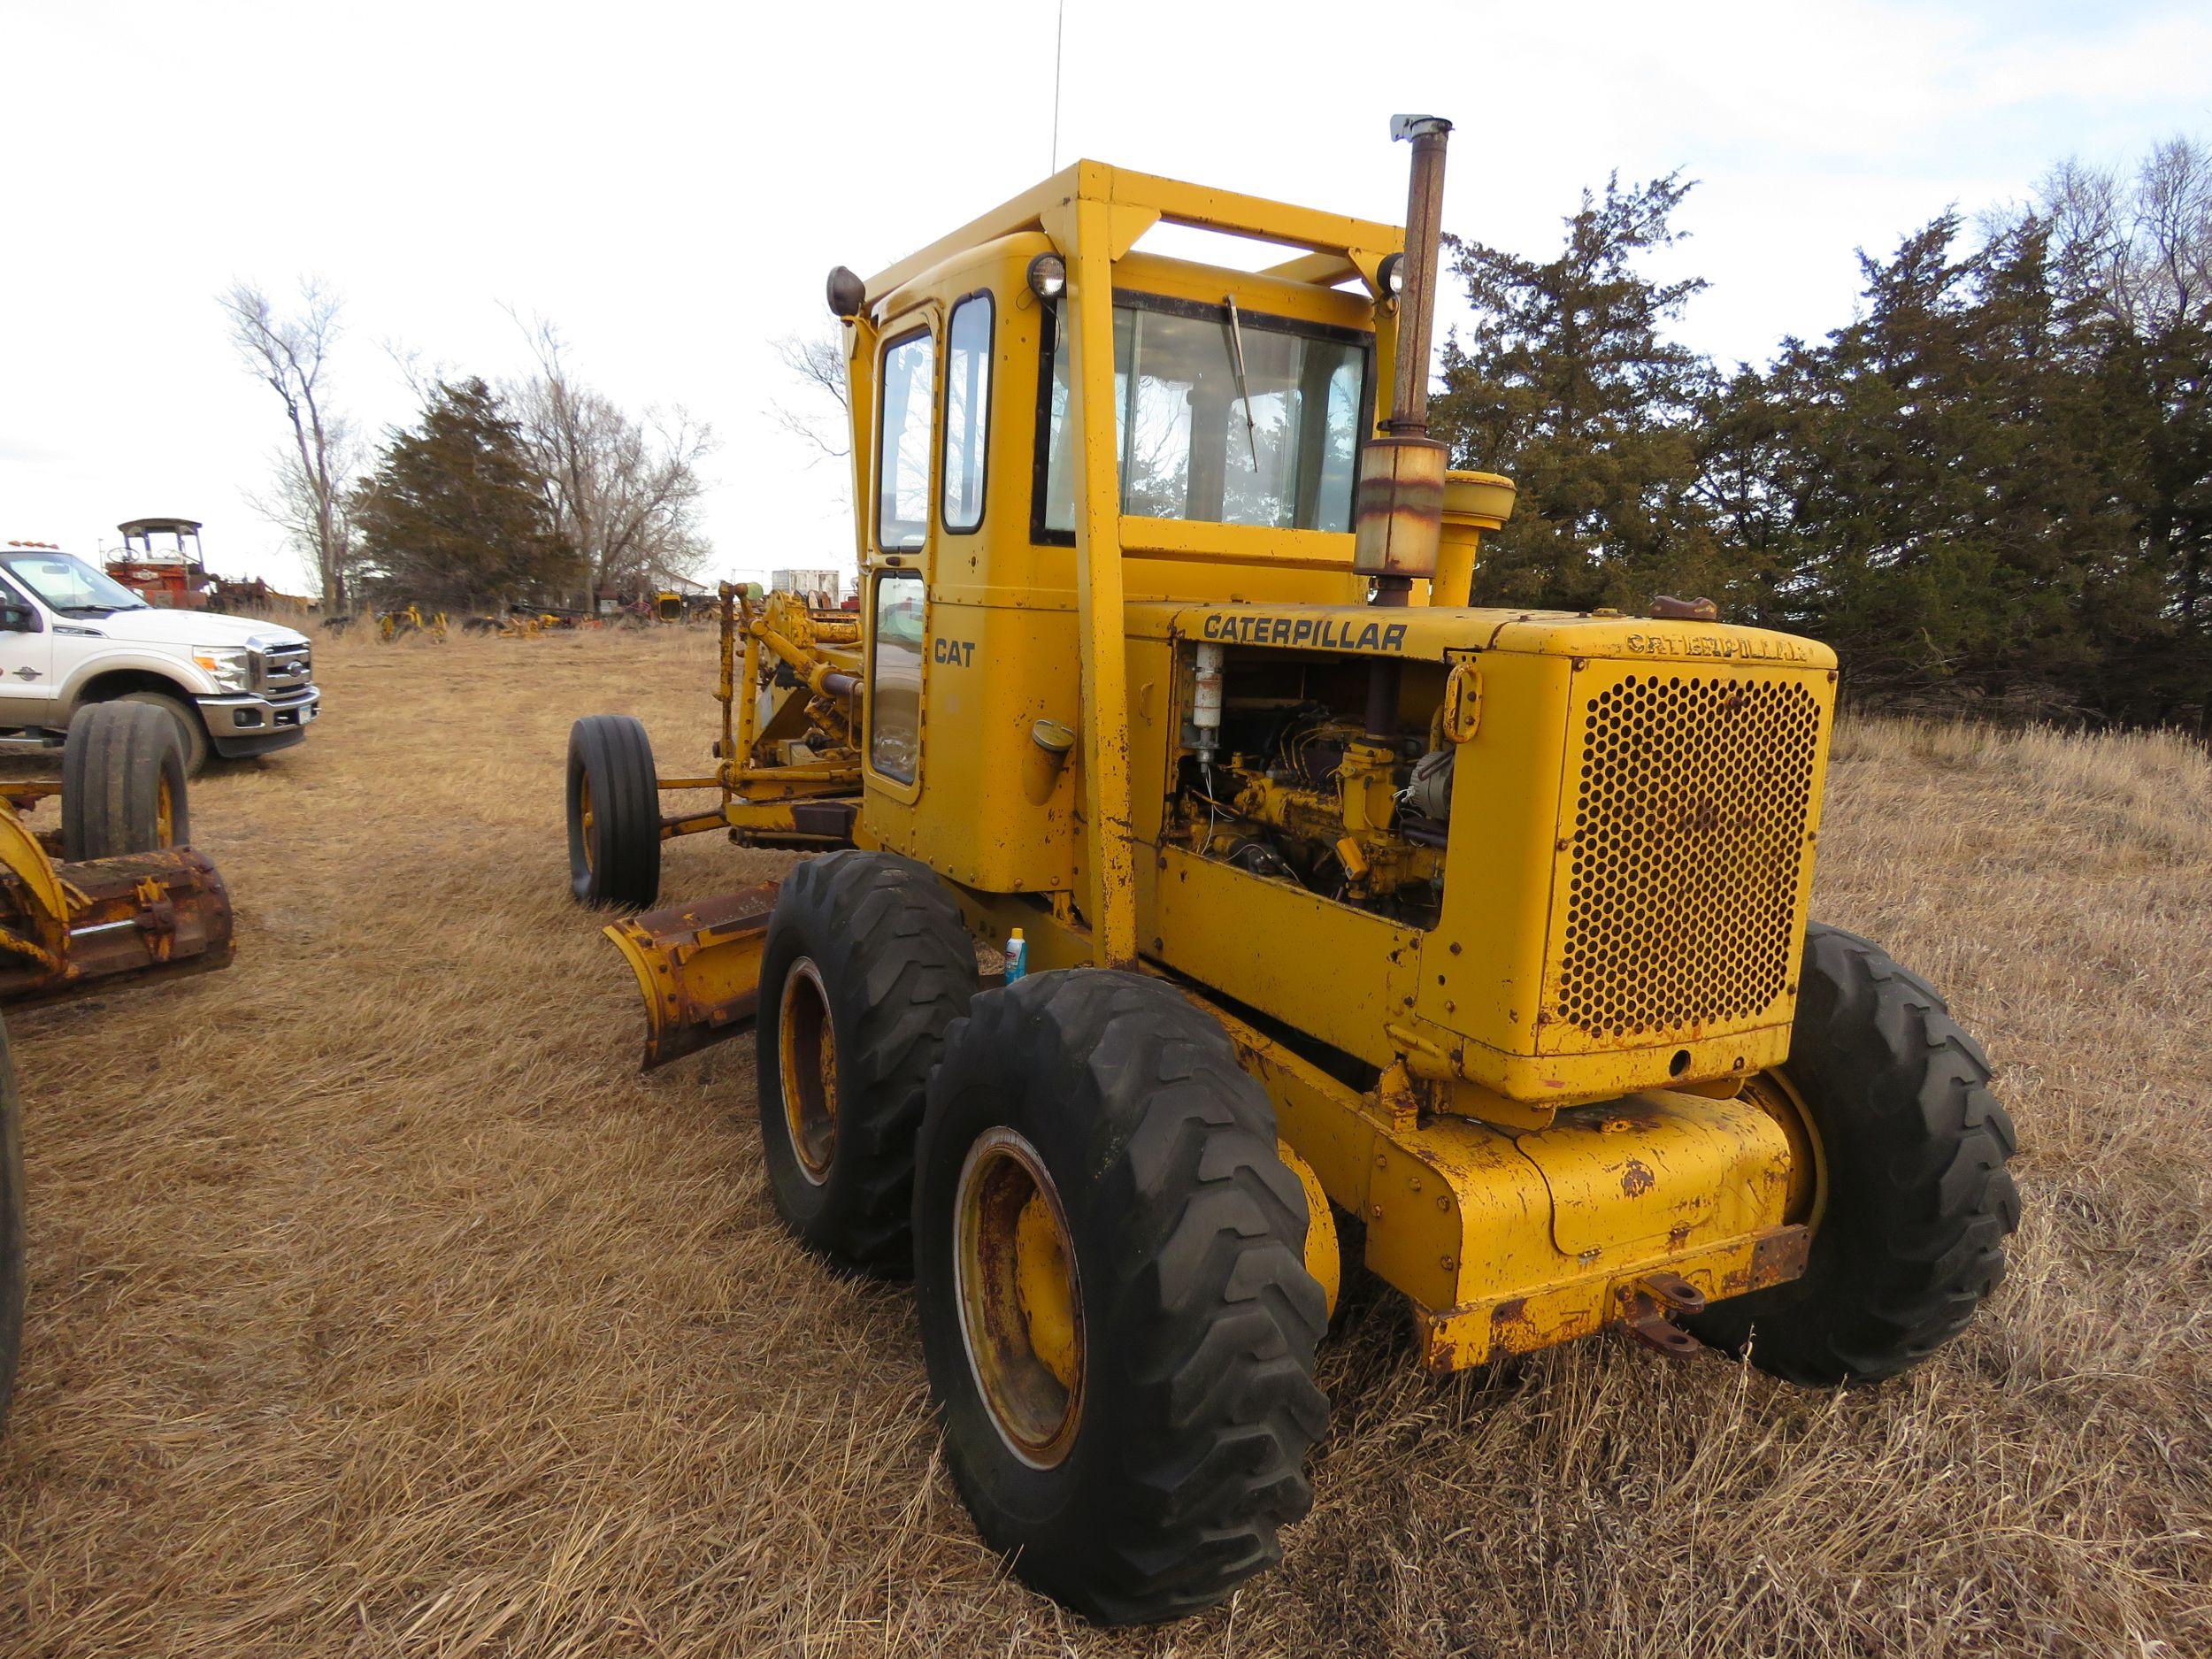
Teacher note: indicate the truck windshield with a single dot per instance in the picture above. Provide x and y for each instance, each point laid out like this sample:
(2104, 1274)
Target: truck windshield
(1276, 445)
(67, 584)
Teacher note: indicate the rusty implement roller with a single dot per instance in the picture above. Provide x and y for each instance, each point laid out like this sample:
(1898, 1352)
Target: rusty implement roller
(138, 916)
(698, 968)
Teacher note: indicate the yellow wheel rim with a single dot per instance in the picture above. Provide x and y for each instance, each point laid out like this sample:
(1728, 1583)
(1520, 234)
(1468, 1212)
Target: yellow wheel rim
(1774, 1093)
(1021, 1303)
(583, 803)
(165, 814)
(806, 1057)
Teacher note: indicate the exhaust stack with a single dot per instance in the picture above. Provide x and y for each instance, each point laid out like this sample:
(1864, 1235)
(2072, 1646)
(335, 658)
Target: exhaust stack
(1398, 512)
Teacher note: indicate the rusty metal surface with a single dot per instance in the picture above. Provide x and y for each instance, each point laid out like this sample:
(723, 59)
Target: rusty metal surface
(140, 916)
(1453, 1339)
(698, 968)
(1398, 508)
(1651, 1306)
(1417, 304)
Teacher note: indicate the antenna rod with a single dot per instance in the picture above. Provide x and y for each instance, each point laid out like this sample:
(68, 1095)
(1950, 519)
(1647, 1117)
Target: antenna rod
(1059, 31)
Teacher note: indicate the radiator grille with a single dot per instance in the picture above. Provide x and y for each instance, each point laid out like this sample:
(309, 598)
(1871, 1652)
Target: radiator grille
(1689, 835)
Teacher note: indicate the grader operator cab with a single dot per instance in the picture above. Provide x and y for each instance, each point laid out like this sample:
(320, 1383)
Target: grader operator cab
(1469, 944)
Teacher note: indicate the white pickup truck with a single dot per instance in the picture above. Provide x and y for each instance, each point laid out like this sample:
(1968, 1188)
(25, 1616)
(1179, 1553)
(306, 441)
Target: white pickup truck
(70, 636)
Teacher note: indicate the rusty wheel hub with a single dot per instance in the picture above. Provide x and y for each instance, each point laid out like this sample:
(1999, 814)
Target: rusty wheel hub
(806, 1052)
(1021, 1306)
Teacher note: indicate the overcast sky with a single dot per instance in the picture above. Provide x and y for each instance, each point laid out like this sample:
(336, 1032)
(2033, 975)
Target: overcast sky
(668, 183)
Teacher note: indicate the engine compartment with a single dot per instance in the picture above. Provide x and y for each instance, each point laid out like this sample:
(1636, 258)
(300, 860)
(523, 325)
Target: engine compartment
(1327, 771)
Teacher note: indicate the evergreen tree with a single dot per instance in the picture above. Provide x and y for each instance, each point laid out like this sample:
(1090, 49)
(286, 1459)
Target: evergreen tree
(1930, 458)
(1565, 382)
(1992, 490)
(455, 515)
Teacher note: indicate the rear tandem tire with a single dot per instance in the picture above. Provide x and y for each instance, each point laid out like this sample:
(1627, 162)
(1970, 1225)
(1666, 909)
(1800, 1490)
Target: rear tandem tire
(1104, 1228)
(1911, 1156)
(614, 859)
(123, 768)
(867, 965)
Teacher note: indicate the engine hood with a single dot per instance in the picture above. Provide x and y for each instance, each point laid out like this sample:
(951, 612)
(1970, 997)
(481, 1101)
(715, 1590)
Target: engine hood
(155, 626)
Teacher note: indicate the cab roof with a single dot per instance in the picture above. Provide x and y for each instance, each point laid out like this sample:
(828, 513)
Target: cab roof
(1331, 248)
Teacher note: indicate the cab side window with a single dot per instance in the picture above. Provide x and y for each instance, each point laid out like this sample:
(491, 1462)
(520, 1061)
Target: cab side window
(967, 411)
(903, 444)
(895, 687)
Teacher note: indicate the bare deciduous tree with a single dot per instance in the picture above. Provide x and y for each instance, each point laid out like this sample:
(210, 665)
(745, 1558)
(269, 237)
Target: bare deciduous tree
(2139, 248)
(291, 355)
(625, 493)
(817, 362)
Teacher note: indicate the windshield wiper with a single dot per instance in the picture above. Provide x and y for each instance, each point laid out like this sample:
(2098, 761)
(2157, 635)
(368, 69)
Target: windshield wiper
(1236, 347)
(95, 611)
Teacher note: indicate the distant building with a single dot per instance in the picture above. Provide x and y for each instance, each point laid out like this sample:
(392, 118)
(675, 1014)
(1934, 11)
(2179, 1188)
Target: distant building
(824, 590)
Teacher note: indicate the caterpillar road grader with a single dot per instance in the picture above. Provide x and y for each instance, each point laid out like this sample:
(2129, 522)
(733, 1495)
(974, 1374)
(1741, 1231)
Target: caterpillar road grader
(1467, 945)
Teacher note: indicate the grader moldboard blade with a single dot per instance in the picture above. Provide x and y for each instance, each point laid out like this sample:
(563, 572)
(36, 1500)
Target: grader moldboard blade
(698, 968)
(137, 917)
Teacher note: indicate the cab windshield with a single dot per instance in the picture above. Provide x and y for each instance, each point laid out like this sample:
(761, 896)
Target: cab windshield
(69, 584)
(1224, 416)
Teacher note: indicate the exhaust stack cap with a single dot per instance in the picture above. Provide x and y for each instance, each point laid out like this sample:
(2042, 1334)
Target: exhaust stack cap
(1412, 127)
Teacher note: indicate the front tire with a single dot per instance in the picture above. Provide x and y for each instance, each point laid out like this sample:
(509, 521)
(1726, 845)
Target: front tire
(614, 814)
(1115, 1307)
(867, 965)
(1911, 1202)
(123, 770)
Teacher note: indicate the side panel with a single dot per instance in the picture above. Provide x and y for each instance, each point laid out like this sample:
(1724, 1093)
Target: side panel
(1481, 967)
(1337, 974)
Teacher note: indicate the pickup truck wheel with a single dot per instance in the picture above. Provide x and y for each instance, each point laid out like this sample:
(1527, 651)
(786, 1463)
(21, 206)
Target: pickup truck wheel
(614, 813)
(11, 1281)
(191, 732)
(122, 782)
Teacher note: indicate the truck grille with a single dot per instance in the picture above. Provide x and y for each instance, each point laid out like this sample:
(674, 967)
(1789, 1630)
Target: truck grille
(287, 669)
(1688, 844)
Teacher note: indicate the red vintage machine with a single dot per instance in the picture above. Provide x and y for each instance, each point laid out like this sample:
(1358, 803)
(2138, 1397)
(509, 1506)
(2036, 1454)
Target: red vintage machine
(161, 563)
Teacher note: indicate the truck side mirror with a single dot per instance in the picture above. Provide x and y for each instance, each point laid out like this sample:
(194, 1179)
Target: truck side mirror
(17, 619)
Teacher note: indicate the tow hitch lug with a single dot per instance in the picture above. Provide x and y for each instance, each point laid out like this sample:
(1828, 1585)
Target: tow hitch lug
(1651, 1305)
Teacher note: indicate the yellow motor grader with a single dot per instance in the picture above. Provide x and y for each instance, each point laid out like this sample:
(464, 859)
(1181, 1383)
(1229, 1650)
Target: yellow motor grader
(1341, 919)
(127, 901)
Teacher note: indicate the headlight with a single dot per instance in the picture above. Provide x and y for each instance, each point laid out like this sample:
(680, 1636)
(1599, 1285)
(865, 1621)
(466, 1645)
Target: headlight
(230, 668)
(1048, 276)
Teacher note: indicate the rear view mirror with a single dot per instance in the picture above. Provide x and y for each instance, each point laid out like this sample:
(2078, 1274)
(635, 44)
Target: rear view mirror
(15, 619)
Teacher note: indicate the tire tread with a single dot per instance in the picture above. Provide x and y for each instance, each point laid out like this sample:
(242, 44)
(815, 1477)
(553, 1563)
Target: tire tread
(1211, 1332)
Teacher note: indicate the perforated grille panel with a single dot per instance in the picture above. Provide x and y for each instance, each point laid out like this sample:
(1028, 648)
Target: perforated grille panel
(1689, 833)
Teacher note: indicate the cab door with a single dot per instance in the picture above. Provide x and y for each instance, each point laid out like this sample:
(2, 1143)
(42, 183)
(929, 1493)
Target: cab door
(902, 535)
(27, 661)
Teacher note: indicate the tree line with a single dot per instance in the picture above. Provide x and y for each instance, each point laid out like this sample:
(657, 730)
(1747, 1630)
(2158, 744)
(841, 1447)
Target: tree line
(540, 490)
(1990, 490)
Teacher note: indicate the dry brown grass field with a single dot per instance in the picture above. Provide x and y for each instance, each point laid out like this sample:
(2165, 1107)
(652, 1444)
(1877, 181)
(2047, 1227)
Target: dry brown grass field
(377, 1307)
